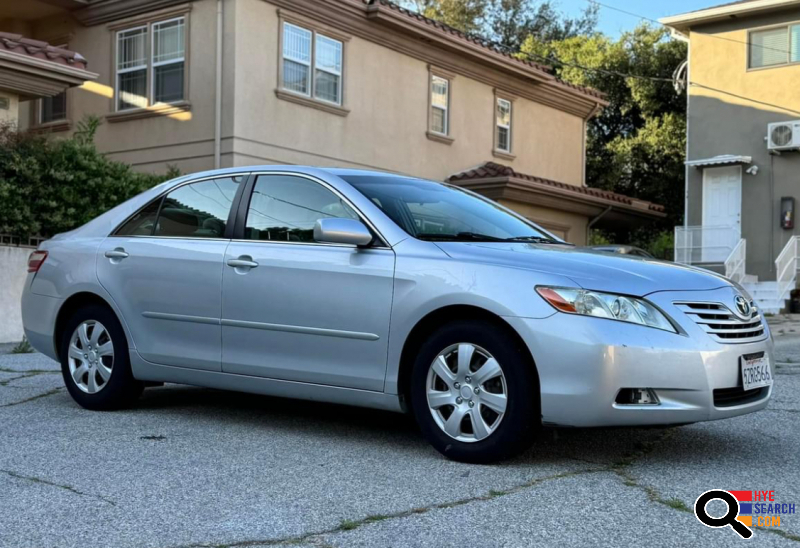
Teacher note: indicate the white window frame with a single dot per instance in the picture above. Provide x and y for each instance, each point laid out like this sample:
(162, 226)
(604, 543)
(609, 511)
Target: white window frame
(39, 119)
(498, 125)
(154, 65)
(149, 66)
(312, 65)
(750, 46)
(316, 35)
(445, 108)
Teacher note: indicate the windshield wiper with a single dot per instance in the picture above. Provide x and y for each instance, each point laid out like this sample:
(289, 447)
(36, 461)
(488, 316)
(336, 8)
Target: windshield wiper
(535, 239)
(469, 236)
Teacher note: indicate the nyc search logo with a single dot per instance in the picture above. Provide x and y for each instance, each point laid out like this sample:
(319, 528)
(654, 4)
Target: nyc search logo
(745, 509)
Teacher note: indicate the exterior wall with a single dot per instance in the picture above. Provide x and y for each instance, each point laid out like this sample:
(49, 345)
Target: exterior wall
(152, 143)
(387, 95)
(11, 114)
(723, 124)
(13, 273)
(569, 226)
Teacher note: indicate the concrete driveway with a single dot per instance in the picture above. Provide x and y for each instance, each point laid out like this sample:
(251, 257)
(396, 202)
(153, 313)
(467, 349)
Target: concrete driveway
(192, 467)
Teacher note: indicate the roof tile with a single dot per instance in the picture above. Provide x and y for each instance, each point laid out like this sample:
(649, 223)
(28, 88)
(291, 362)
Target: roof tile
(492, 169)
(41, 50)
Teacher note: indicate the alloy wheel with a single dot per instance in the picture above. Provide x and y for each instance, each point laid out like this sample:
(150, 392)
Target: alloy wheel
(467, 392)
(91, 356)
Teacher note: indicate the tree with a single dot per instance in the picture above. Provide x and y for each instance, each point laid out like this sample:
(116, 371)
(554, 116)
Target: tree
(636, 146)
(465, 15)
(508, 23)
(511, 22)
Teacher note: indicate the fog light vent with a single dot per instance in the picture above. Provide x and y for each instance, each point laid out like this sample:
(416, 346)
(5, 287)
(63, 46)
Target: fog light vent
(637, 396)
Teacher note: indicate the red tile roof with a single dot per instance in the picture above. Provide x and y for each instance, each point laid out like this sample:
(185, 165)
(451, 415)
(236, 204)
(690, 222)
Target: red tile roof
(491, 170)
(41, 50)
(488, 44)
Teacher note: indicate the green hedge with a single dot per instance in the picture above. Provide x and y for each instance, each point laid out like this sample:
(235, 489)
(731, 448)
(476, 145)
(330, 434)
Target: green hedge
(50, 185)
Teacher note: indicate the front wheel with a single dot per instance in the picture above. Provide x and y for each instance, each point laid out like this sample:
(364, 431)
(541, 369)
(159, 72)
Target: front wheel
(474, 393)
(95, 362)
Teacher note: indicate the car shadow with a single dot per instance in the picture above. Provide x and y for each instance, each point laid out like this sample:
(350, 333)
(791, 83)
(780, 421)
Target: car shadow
(367, 427)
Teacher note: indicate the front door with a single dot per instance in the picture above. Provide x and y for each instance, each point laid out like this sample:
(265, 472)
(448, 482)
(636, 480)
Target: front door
(298, 310)
(722, 212)
(163, 268)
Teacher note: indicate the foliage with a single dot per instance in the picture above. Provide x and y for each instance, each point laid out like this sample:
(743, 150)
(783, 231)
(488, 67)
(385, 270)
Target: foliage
(508, 22)
(23, 347)
(636, 146)
(48, 186)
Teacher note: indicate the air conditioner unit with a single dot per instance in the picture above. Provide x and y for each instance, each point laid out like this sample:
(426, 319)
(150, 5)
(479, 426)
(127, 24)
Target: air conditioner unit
(784, 135)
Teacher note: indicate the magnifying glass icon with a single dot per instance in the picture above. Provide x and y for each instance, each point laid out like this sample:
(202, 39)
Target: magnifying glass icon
(729, 519)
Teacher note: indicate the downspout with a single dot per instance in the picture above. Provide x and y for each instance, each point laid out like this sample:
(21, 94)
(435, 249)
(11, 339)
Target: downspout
(594, 221)
(218, 93)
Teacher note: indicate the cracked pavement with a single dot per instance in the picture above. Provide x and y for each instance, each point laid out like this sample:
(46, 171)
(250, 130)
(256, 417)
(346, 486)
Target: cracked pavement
(191, 467)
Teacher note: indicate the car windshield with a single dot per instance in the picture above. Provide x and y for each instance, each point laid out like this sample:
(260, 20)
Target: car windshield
(441, 212)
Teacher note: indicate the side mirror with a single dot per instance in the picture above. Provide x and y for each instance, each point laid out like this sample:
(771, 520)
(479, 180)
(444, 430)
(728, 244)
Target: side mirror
(342, 231)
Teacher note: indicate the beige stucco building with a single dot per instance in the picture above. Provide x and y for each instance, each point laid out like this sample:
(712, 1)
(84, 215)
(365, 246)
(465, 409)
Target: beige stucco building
(360, 83)
(743, 153)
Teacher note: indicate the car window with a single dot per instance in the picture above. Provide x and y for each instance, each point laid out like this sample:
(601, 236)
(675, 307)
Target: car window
(197, 210)
(285, 208)
(435, 211)
(142, 223)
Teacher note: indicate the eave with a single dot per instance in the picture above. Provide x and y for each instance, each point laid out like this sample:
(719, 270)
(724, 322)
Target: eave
(30, 77)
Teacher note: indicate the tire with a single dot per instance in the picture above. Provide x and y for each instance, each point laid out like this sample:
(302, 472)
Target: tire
(92, 389)
(518, 381)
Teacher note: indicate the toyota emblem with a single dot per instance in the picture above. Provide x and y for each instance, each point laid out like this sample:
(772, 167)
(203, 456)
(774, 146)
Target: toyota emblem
(742, 306)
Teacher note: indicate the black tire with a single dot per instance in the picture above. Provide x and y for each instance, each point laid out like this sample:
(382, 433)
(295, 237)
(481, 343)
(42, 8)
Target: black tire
(121, 389)
(522, 418)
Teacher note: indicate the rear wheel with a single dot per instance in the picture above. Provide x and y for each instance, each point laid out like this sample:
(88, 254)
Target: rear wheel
(95, 362)
(474, 393)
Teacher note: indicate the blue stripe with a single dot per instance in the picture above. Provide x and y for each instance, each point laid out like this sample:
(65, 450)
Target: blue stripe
(745, 507)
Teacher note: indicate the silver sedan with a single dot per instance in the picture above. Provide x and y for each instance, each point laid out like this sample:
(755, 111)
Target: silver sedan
(389, 292)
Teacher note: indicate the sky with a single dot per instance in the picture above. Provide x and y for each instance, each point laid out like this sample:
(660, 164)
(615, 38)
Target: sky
(613, 22)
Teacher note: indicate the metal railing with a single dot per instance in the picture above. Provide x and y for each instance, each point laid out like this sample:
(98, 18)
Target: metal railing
(705, 244)
(16, 241)
(786, 267)
(735, 263)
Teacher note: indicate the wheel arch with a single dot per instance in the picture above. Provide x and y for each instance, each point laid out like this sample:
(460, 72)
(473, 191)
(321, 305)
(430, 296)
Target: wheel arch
(71, 305)
(436, 318)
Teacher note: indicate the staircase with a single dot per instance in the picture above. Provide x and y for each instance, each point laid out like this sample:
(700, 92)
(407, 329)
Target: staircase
(765, 294)
(694, 245)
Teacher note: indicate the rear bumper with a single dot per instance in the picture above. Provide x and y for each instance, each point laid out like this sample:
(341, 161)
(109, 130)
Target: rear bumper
(39, 315)
(584, 362)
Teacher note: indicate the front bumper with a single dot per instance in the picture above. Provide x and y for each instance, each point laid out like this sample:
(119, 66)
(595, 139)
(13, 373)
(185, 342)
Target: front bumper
(584, 362)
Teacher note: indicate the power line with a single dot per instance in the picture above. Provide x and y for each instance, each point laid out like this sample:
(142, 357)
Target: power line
(657, 22)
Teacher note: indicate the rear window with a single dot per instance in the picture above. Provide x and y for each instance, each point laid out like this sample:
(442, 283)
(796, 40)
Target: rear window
(196, 210)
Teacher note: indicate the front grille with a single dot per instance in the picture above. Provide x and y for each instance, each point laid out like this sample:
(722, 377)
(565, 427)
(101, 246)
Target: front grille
(728, 397)
(722, 325)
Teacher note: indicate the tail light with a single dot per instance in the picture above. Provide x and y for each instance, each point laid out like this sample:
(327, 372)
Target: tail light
(36, 260)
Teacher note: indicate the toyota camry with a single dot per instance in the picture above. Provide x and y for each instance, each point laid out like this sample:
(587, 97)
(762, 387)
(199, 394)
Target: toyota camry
(389, 292)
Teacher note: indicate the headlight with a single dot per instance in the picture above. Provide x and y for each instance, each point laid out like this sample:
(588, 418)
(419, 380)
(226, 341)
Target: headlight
(605, 305)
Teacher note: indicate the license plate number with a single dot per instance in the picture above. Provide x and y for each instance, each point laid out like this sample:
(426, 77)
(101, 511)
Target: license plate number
(755, 372)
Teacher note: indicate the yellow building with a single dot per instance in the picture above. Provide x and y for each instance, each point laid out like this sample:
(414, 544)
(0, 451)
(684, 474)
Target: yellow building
(743, 159)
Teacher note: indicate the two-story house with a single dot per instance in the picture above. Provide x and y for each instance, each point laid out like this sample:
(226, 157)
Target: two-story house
(743, 144)
(362, 83)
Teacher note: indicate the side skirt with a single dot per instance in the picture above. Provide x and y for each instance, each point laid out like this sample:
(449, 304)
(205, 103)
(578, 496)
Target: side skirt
(151, 372)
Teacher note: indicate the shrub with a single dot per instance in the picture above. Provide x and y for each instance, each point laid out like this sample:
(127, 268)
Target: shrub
(51, 185)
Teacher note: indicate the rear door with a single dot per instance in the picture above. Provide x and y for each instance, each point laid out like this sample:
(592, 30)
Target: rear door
(300, 310)
(163, 268)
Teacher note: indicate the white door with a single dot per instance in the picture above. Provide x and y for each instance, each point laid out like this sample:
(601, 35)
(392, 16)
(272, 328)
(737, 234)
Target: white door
(722, 212)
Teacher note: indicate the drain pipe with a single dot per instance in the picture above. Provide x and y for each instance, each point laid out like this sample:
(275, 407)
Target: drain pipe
(594, 221)
(218, 93)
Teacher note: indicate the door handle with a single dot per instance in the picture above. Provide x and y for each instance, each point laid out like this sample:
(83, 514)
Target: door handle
(117, 253)
(242, 262)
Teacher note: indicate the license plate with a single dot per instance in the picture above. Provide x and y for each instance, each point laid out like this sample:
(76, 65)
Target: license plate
(755, 371)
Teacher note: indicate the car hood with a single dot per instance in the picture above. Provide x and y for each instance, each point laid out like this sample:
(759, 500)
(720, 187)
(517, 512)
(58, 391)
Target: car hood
(589, 269)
